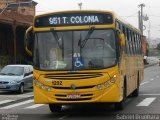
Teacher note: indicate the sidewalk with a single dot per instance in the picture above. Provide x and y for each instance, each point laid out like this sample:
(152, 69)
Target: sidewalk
(152, 61)
(150, 64)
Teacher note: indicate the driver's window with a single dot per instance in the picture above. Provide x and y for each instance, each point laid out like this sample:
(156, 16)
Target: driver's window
(26, 70)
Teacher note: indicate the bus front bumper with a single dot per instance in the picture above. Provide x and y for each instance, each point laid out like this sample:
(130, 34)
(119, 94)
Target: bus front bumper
(107, 95)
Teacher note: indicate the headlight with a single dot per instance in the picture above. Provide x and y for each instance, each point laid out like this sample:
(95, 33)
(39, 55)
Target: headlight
(106, 84)
(13, 82)
(41, 86)
(99, 87)
(36, 82)
(48, 88)
(113, 80)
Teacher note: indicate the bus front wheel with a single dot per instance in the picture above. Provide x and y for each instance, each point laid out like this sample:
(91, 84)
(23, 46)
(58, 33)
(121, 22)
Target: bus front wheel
(55, 107)
(120, 105)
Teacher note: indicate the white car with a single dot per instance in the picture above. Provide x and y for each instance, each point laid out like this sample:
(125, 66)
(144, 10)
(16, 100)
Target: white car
(16, 78)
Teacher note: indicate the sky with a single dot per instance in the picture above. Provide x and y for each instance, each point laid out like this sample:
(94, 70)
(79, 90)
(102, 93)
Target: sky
(127, 9)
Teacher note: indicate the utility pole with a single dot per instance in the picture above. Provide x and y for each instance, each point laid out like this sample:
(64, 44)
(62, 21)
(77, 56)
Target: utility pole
(141, 17)
(80, 5)
(149, 33)
(139, 20)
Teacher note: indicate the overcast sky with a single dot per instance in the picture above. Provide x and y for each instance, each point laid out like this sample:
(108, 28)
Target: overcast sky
(127, 9)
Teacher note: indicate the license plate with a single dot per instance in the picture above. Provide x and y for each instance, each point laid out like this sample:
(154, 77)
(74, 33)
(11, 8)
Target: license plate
(2, 86)
(73, 96)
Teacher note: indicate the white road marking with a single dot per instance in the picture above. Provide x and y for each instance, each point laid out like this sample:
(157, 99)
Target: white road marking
(5, 101)
(30, 94)
(144, 83)
(151, 79)
(64, 117)
(34, 106)
(146, 101)
(17, 104)
(15, 96)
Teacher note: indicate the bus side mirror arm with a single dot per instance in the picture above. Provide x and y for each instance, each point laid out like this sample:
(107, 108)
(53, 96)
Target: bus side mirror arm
(122, 39)
(28, 39)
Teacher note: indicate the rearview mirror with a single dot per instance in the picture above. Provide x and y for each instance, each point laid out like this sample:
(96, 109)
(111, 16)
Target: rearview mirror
(122, 39)
(26, 74)
(29, 40)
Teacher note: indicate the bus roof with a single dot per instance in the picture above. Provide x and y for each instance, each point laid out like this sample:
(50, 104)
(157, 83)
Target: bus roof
(115, 16)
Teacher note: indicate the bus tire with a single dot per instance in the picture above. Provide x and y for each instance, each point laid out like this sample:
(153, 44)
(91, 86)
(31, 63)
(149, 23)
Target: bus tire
(55, 107)
(136, 91)
(120, 105)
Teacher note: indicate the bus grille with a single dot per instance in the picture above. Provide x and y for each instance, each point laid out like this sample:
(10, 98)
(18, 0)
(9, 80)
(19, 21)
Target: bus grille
(79, 99)
(63, 97)
(73, 76)
(80, 87)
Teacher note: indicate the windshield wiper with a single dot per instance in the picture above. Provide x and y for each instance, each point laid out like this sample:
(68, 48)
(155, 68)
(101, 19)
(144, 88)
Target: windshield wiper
(57, 38)
(82, 43)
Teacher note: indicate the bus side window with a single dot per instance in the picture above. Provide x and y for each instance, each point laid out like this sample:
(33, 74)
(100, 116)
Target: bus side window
(135, 42)
(139, 47)
(124, 31)
(132, 42)
(127, 42)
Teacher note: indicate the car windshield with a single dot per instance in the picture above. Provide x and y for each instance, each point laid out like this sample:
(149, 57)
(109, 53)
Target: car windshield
(75, 50)
(12, 70)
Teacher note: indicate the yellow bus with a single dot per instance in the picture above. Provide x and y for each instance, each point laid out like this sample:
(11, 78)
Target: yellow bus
(84, 56)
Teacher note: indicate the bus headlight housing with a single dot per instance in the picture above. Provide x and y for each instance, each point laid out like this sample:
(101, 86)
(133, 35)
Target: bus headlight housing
(36, 82)
(99, 87)
(41, 86)
(48, 88)
(113, 79)
(106, 84)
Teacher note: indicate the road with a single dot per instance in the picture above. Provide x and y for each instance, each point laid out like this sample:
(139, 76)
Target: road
(146, 106)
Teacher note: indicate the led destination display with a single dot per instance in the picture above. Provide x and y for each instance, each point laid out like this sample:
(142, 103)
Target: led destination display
(74, 19)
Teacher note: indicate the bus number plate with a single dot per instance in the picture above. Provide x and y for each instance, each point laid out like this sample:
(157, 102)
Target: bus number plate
(73, 96)
(56, 82)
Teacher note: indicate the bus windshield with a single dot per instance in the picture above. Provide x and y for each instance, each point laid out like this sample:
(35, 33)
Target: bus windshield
(75, 49)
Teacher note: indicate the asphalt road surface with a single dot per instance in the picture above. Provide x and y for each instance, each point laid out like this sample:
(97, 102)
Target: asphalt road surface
(145, 106)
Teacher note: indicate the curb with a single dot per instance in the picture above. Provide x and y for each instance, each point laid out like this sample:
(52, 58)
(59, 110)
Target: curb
(146, 66)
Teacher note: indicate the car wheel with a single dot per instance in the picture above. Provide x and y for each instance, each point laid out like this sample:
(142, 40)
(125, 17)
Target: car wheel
(55, 108)
(21, 89)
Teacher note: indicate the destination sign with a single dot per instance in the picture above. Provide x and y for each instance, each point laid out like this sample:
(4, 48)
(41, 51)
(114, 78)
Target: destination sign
(73, 19)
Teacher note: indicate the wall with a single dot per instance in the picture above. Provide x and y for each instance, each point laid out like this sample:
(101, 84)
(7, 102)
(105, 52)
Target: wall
(29, 10)
(144, 45)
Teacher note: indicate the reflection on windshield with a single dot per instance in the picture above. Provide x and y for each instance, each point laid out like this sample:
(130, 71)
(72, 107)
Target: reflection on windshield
(12, 70)
(82, 42)
(75, 50)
